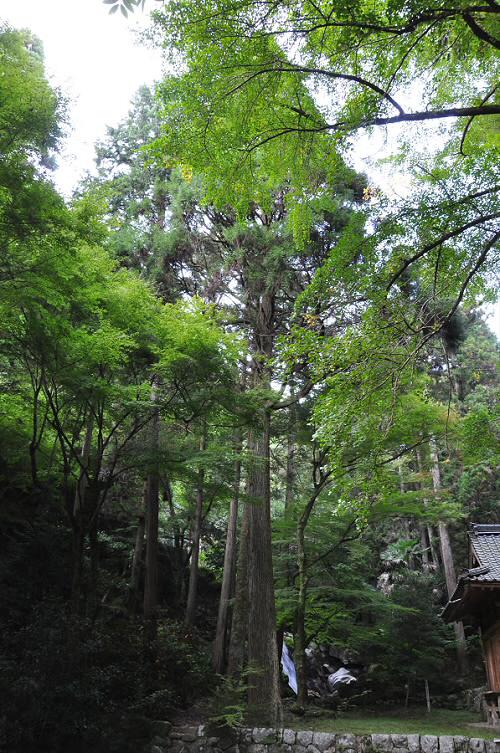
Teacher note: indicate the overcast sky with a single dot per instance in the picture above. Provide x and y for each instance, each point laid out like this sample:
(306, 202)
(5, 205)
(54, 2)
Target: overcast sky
(95, 59)
(99, 64)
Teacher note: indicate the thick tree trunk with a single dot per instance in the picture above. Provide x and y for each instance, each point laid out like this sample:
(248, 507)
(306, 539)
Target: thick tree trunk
(264, 702)
(237, 653)
(263, 667)
(195, 543)
(152, 511)
(448, 564)
(229, 573)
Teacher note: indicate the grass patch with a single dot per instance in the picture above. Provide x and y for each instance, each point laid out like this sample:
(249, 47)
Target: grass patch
(399, 721)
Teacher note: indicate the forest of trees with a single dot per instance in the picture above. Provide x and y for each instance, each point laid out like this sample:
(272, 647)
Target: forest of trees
(246, 399)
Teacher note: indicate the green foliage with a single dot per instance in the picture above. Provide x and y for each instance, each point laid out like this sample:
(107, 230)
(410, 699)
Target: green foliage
(228, 703)
(125, 6)
(415, 637)
(31, 111)
(224, 228)
(64, 681)
(243, 105)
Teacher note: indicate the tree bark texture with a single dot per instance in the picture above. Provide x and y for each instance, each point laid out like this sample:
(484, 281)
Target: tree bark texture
(93, 589)
(291, 475)
(263, 692)
(137, 563)
(302, 584)
(448, 564)
(152, 512)
(229, 572)
(290, 458)
(178, 553)
(239, 626)
(300, 616)
(77, 575)
(195, 544)
(424, 545)
(78, 520)
(426, 532)
(405, 523)
(264, 703)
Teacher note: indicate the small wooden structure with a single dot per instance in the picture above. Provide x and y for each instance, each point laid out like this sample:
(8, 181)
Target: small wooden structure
(476, 600)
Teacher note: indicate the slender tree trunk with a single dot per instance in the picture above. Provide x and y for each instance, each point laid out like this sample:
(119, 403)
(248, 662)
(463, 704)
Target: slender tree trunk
(448, 564)
(36, 436)
(93, 502)
(137, 563)
(424, 545)
(229, 572)
(152, 512)
(291, 474)
(237, 653)
(405, 522)
(300, 616)
(83, 478)
(195, 551)
(77, 575)
(290, 458)
(302, 583)
(178, 555)
(264, 676)
(427, 696)
(426, 532)
(79, 528)
(93, 589)
(432, 547)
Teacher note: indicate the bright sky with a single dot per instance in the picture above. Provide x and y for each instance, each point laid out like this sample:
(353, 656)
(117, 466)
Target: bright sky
(96, 60)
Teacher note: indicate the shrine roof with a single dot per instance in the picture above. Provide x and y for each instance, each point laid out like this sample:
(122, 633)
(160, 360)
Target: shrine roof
(484, 542)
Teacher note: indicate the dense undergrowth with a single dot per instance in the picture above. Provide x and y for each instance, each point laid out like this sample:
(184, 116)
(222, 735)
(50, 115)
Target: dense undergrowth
(68, 682)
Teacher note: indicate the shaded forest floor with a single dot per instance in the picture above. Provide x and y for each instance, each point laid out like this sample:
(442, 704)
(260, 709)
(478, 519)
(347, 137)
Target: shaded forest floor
(414, 720)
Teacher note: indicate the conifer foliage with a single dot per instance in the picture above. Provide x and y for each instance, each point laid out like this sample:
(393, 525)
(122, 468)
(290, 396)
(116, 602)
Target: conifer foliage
(246, 401)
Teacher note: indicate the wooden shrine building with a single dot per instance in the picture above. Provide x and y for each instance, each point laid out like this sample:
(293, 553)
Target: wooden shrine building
(476, 601)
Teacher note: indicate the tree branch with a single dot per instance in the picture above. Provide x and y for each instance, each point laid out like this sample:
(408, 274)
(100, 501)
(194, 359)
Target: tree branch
(480, 261)
(469, 122)
(452, 112)
(447, 236)
(321, 72)
(480, 32)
